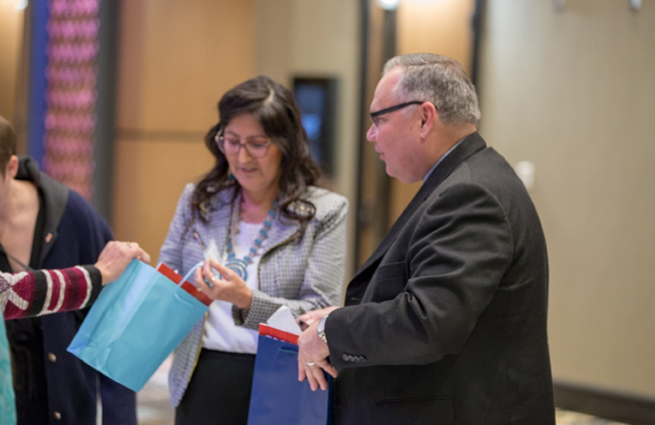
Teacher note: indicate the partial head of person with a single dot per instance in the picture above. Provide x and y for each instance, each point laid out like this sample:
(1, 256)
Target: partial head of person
(8, 158)
(423, 105)
(260, 146)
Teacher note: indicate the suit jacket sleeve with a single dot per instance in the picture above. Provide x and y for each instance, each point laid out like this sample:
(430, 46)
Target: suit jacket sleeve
(455, 255)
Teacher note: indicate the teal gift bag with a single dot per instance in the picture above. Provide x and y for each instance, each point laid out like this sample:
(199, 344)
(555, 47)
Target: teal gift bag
(135, 323)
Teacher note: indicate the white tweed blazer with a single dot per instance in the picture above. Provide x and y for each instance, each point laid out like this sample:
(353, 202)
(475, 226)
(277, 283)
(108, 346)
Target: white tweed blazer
(302, 273)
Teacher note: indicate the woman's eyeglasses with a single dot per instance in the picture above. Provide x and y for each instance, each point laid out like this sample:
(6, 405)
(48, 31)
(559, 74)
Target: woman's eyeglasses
(256, 146)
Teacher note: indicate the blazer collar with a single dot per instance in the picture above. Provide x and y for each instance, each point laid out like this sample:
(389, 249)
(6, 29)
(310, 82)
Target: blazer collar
(472, 144)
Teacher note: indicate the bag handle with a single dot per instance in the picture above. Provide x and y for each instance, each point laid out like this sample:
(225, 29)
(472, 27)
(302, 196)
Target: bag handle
(190, 272)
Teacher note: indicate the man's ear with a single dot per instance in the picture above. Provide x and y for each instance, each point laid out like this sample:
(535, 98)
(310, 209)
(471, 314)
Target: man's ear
(429, 115)
(12, 167)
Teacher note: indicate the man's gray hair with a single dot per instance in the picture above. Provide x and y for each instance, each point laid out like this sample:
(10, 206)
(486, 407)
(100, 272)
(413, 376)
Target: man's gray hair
(433, 78)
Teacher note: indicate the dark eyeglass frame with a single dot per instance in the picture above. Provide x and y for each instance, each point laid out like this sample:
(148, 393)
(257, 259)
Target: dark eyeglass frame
(220, 137)
(376, 114)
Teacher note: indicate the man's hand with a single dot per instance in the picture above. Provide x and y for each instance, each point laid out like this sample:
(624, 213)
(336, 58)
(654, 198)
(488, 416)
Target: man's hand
(115, 257)
(312, 358)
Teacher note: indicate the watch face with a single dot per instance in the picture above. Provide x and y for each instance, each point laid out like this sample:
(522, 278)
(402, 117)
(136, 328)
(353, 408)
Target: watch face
(321, 329)
(321, 324)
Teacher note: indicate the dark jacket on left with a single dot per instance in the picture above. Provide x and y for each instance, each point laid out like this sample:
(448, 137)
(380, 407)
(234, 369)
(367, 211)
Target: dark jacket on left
(53, 386)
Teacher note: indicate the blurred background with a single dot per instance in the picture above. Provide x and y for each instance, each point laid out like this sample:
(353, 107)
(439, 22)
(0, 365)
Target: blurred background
(113, 98)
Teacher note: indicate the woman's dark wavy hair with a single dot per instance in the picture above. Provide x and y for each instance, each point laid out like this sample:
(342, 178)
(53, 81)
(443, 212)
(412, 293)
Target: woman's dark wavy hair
(275, 108)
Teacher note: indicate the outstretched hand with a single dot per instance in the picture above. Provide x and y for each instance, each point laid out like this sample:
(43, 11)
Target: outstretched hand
(115, 257)
(224, 286)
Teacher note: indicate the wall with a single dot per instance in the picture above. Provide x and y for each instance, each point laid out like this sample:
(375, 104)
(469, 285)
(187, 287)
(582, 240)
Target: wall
(318, 38)
(175, 61)
(573, 92)
(442, 27)
(374, 181)
(11, 28)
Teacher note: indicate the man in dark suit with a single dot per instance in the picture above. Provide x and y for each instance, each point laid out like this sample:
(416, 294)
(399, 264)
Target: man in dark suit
(446, 322)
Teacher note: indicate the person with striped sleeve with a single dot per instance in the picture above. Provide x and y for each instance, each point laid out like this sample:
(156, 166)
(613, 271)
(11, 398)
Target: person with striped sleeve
(29, 294)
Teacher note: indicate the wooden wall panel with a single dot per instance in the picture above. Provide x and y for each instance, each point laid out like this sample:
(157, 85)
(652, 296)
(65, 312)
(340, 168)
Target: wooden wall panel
(176, 59)
(318, 38)
(11, 34)
(442, 27)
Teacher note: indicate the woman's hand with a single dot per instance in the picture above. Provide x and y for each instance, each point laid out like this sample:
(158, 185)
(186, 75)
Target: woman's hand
(305, 320)
(230, 288)
(115, 257)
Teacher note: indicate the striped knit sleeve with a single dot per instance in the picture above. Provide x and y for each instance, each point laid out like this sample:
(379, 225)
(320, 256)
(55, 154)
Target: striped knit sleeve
(30, 294)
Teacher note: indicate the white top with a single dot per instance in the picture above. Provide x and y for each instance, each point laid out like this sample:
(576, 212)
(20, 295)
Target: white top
(220, 331)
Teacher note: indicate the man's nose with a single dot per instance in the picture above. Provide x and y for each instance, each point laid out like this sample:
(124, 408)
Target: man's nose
(370, 134)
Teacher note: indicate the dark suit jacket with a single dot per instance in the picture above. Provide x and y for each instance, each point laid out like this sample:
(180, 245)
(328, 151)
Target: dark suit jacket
(446, 322)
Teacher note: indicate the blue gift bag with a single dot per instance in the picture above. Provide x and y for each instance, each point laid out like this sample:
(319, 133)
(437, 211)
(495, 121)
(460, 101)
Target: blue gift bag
(135, 323)
(277, 397)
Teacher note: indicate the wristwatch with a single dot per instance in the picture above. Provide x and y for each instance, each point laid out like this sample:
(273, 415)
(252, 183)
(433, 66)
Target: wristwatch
(321, 328)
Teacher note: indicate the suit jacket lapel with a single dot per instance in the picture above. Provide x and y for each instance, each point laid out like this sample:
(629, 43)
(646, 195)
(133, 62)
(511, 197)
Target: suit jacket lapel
(468, 147)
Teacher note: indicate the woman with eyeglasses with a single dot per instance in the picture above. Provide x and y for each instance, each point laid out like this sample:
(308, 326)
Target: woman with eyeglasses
(279, 239)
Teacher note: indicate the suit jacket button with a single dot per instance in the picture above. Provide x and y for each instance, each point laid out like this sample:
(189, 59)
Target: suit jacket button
(57, 415)
(346, 358)
(52, 357)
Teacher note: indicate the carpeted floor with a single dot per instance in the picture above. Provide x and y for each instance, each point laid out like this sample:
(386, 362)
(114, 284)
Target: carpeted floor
(153, 407)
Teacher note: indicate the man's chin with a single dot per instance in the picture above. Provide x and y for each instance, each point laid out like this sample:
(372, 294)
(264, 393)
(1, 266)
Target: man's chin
(392, 173)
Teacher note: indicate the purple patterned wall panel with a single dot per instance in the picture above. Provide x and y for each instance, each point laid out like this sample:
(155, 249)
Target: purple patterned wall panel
(71, 94)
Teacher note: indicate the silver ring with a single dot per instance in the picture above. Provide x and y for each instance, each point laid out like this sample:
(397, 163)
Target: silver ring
(216, 276)
(129, 244)
(310, 364)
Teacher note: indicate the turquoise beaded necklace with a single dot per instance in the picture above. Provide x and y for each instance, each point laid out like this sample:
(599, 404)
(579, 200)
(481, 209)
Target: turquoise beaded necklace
(239, 265)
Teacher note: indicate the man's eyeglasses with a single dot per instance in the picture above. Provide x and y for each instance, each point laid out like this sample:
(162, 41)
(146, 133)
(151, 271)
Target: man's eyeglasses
(376, 114)
(256, 146)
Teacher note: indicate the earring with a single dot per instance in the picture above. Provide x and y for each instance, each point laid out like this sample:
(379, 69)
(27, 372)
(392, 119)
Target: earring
(230, 176)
